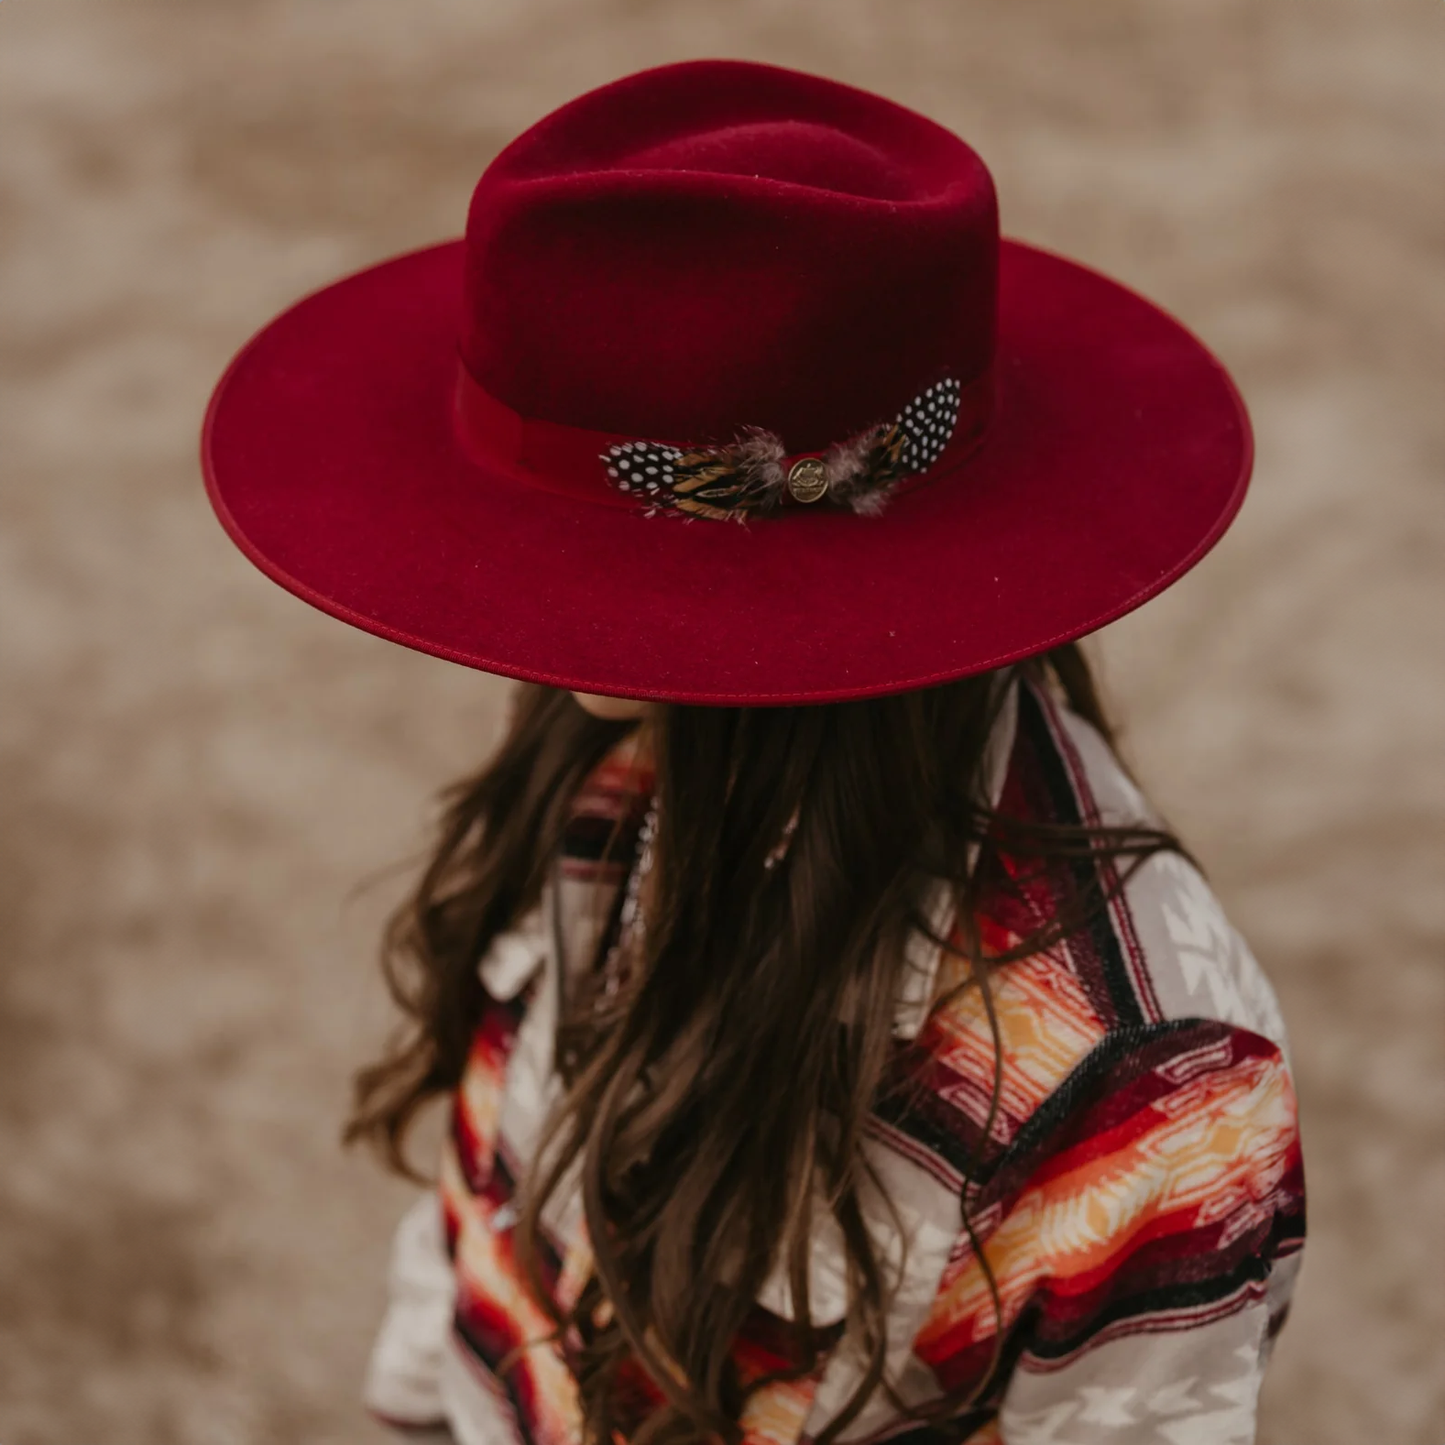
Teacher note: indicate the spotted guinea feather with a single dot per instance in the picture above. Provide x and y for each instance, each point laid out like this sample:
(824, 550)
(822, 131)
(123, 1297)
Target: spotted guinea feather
(747, 476)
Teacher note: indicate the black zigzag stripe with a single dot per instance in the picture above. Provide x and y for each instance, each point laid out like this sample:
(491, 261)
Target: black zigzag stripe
(1098, 1074)
(1103, 949)
(473, 1342)
(1256, 1258)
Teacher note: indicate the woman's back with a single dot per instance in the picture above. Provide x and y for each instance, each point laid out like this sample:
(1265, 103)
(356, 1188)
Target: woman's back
(1112, 1121)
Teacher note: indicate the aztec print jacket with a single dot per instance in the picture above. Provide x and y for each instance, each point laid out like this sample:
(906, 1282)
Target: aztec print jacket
(1140, 1197)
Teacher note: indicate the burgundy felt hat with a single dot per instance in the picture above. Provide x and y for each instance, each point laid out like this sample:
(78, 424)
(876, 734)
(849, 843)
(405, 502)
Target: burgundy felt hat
(731, 394)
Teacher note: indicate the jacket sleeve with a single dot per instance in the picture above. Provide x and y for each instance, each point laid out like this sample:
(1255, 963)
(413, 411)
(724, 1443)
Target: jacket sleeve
(403, 1378)
(1147, 1239)
(1192, 1386)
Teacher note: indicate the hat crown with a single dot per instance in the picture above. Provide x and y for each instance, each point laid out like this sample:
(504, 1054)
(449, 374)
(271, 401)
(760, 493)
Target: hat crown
(720, 244)
(794, 152)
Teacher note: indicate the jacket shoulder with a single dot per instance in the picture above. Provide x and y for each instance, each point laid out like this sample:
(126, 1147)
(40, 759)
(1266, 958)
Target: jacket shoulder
(1161, 954)
(1190, 962)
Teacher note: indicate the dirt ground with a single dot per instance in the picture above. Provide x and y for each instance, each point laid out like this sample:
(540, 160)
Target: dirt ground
(197, 773)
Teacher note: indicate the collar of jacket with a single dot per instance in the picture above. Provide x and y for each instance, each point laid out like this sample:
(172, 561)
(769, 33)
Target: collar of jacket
(515, 955)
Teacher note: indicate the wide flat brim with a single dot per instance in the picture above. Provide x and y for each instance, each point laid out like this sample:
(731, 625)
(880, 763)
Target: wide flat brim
(1117, 456)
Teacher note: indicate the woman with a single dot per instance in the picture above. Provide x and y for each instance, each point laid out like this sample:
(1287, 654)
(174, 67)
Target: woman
(838, 1047)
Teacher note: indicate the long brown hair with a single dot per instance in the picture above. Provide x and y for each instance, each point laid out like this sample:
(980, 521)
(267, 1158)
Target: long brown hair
(754, 983)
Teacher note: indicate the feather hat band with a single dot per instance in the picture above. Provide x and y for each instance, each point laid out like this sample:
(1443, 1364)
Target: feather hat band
(719, 292)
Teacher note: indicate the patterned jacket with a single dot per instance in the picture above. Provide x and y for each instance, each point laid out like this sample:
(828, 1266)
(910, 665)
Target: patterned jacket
(1139, 1197)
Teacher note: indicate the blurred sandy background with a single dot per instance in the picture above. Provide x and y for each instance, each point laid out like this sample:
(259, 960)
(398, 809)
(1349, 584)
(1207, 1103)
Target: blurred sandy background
(196, 770)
